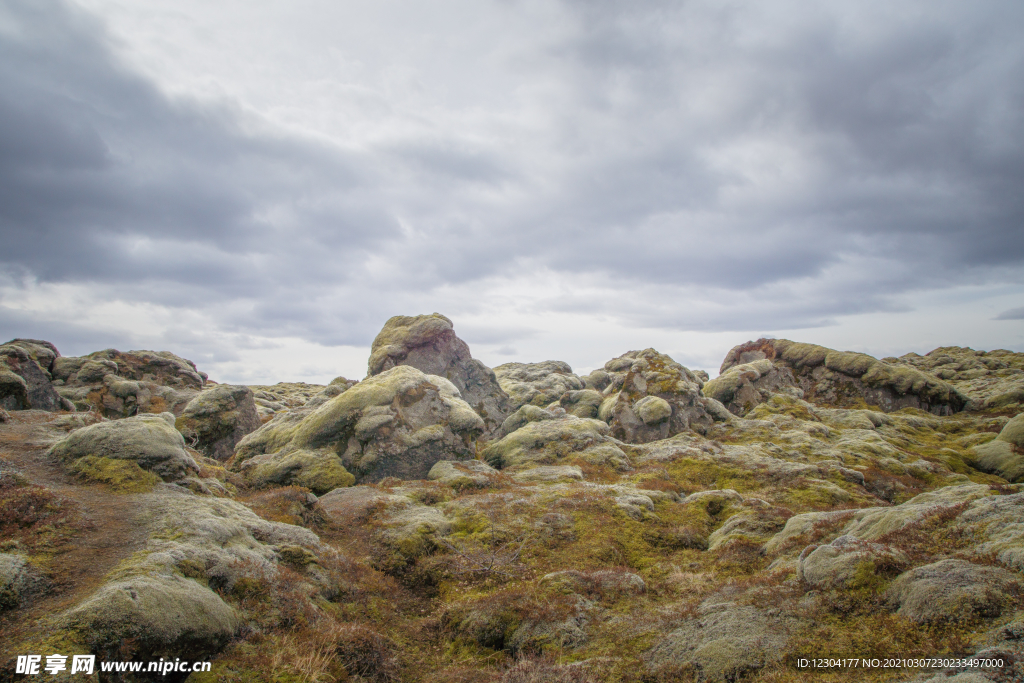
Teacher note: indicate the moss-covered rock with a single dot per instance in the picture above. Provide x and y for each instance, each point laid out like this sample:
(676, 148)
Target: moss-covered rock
(462, 473)
(120, 384)
(991, 380)
(537, 384)
(742, 387)
(649, 382)
(428, 343)
(320, 470)
(556, 442)
(147, 440)
(952, 591)
(124, 476)
(848, 562)
(358, 503)
(840, 378)
(25, 377)
(398, 423)
(160, 615)
(217, 419)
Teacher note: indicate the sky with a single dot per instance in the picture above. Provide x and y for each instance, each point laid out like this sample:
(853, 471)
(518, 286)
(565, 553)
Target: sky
(258, 186)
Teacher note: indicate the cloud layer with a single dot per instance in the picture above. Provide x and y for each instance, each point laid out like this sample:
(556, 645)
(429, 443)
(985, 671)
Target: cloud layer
(687, 167)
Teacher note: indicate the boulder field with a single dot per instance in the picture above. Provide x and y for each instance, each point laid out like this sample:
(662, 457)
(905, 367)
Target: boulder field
(443, 521)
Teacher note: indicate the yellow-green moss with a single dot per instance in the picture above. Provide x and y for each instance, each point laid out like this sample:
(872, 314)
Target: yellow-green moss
(123, 476)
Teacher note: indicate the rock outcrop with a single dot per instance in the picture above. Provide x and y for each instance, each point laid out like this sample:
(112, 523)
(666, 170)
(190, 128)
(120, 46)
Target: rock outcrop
(650, 397)
(25, 376)
(991, 380)
(828, 377)
(117, 384)
(537, 384)
(429, 344)
(216, 420)
(398, 423)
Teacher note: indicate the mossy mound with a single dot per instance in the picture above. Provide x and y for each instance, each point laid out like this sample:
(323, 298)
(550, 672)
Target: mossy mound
(564, 440)
(124, 476)
(149, 441)
(160, 616)
(399, 423)
(537, 384)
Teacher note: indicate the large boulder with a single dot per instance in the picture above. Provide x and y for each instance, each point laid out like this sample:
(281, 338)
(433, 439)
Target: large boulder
(159, 615)
(1005, 454)
(120, 384)
(217, 419)
(650, 397)
(25, 374)
(836, 378)
(953, 590)
(537, 384)
(428, 343)
(147, 441)
(395, 424)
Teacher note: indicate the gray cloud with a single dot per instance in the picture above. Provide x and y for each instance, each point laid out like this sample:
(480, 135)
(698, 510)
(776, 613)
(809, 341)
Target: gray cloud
(676, 165)
(1011, 314)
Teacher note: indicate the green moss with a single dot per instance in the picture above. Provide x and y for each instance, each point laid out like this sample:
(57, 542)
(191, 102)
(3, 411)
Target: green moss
(123, 476)
(699, 475)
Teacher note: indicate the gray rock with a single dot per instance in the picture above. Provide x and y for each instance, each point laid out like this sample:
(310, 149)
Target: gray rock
(428, 343)
(217, 419)
(28, 361)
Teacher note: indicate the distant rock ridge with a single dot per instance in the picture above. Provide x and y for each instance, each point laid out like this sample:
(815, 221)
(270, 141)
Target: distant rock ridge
(753, 370)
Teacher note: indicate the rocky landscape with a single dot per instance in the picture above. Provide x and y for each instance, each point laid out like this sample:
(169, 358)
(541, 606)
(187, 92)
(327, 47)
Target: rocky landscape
(444, 521)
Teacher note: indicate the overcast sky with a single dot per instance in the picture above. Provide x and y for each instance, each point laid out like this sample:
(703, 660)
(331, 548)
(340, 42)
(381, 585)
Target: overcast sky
(259, 185)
